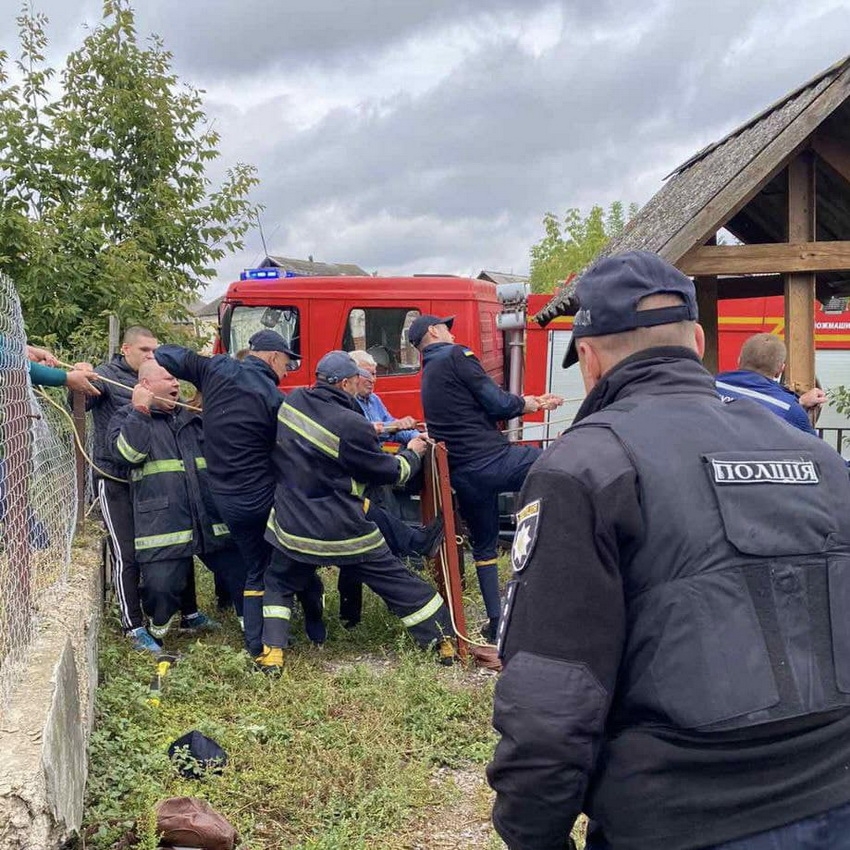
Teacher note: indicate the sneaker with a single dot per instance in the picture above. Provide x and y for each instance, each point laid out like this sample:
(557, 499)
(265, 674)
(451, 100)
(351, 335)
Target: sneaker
(143, 641)
(198, 622)
(446, 652)
(270, 661)
(490, 630)
(435, 533)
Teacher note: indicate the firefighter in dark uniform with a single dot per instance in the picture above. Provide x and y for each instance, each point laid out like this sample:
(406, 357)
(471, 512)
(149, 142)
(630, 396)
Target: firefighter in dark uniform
(241, 399)
(173, 514)
(463, 407)
(327, 453)
(675, 636)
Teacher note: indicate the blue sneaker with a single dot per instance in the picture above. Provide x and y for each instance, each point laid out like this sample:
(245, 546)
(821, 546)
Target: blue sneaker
(198, 622)
(143, 641)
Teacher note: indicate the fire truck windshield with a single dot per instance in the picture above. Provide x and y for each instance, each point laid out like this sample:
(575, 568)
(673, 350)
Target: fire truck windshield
(246, 321)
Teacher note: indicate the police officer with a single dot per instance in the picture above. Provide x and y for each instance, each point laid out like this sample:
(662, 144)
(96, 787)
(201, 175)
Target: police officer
(173, 516)
(241, 399)
(463, 406)
(675, 637)
(327, 453)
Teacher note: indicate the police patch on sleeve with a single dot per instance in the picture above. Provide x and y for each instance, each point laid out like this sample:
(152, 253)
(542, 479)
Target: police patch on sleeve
(527, 524)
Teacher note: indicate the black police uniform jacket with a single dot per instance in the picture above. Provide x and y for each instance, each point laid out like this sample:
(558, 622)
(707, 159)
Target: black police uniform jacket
(327, 453)
(241, 399)
(463, 404)
(677, 632)
(103, 408)
(174, 514)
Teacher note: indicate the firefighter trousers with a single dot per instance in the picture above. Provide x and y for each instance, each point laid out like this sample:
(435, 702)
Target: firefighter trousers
(410, 598)
(228, 569)
(168, 586)
(477, 486)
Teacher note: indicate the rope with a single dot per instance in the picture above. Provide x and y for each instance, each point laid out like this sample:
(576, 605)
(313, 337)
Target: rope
(124, 386)
(444, 553)
(77, 440)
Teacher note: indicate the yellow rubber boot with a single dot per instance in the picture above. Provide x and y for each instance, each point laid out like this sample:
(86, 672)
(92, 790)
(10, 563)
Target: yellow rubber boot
(270, 661)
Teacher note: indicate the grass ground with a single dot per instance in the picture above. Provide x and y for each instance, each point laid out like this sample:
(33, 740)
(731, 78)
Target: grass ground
(365, 743)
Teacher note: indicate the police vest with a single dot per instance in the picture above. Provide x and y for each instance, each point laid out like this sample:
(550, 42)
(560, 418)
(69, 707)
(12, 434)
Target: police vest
(738, 598)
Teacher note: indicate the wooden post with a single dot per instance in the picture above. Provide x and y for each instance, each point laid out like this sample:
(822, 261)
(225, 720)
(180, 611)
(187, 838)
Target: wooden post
(800, 287)
(447, 558)
(80, 471)
(706, 287)
(114, 333)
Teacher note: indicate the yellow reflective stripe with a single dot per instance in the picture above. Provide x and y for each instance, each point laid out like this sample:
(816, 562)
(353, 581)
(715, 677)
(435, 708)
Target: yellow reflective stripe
(277, 612)
(128, 452)
(220, 529)
(327, 548)
(309, 429)
(200, 463)
(252, 592)
(366, 504)
(426, 611)
(153, 467)
(357, 488)
(489, 563)
(157, 541)
(404, 469)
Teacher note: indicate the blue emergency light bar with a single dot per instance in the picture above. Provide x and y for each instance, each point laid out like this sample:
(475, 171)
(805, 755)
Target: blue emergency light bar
(265, 274)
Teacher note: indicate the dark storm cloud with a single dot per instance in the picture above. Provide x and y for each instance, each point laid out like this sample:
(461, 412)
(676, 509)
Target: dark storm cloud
(226, 37)
(513, 112)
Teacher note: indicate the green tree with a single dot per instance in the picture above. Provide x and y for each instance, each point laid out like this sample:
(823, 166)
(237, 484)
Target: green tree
(570, 245)
(105, 205)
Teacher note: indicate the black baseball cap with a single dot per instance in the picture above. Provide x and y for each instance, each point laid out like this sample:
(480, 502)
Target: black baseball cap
(608, 294)
(270, 341)
(420, 325)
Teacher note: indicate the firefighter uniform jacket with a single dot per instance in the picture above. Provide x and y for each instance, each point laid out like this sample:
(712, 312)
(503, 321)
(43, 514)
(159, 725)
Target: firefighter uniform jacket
(326, 455)
(463, 404)
(676, 637)
(103, 408)
(240, 404)
(173, 511)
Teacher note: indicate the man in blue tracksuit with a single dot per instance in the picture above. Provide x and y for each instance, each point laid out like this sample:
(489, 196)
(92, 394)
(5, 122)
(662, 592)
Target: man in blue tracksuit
(760, 366)
(241, 399)
(174, 517)
(463, 406)
(326, 456)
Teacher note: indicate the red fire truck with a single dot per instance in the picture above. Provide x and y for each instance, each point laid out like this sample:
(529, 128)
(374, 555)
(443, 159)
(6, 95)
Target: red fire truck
(317, 314)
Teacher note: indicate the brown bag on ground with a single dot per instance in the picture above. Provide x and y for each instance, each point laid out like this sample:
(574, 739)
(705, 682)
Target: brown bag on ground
(190, 822)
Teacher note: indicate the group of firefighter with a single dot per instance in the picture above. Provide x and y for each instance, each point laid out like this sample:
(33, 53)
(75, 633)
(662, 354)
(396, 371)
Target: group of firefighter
(265, 486)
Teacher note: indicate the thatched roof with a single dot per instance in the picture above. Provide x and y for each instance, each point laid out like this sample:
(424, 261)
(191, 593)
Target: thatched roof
(311, 268)
(738, 182)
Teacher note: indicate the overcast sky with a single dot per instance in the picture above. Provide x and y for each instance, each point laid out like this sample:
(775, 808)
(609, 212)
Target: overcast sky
(432, 135)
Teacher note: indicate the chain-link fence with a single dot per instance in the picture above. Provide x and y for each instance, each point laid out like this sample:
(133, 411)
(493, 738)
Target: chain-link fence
(37, 494)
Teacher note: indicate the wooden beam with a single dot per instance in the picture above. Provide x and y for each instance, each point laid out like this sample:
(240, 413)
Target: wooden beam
(706, 288)
(749, 286)
(760, 170)
(800, 286)
(785, 258)
(707, 305)
(833, 153)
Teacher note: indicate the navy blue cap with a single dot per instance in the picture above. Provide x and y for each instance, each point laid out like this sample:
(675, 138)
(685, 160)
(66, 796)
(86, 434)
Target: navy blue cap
(270, 341)
(336, 366)
(420, 325)
(608, 294)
